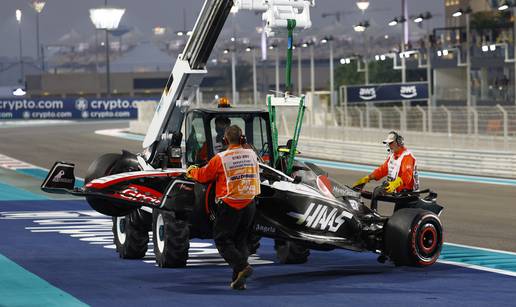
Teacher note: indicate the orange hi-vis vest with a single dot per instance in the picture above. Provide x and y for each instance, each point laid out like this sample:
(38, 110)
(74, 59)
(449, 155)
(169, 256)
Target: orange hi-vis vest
(236, 175)
(400, 164)
(242, 174)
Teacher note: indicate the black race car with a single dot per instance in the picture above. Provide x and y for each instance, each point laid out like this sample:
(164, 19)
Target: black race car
(303, 211)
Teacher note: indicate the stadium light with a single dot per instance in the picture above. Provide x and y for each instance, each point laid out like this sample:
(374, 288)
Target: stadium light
(395, 21)
(18, 16)
(107, 18)
(443, 52)
(361, 27)
(363, 5)
(19, 92)
(504, 6)
(422, 17)
(38, 6)
(457, 13)
(158, 31)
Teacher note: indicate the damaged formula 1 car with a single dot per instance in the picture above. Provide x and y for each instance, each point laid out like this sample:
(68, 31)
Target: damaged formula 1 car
(299, 207)
(304, 211)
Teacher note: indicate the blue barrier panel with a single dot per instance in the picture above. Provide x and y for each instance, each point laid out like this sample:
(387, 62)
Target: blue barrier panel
(71, 108)
(387, 92)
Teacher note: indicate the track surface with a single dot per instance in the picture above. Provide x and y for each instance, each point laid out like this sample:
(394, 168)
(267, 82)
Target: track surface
(58, 252)
(69, 249)
(475, 214)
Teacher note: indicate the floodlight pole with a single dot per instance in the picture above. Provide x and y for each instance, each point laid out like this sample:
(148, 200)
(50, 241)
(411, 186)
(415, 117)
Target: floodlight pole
(255, 91)
(299, 71)
(312, 69)
(233, 76)
(108, 70)
(277, 72)
(332, 76)
(22, 73)
(404, 40)
(468, 70)
(37, 35)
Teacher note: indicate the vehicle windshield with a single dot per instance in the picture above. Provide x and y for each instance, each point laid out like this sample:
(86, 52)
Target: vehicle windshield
(205, 133)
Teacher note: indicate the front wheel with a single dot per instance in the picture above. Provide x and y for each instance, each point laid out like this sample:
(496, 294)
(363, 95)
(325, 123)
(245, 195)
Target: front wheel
(413, 237)
(171, 237)
(103, 166)
(131, 235)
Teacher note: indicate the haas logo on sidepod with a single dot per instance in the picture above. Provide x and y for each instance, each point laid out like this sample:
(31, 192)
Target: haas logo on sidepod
(317, 217)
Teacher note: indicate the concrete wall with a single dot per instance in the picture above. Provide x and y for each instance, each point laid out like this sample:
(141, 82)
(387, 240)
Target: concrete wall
(94, 84)
(73, 84)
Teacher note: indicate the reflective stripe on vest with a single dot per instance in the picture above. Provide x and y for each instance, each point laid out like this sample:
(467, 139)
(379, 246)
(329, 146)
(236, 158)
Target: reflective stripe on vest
(242, 173)
(394, 166)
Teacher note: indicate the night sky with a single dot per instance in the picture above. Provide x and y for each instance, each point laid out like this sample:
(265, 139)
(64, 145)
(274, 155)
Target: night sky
(60, 17)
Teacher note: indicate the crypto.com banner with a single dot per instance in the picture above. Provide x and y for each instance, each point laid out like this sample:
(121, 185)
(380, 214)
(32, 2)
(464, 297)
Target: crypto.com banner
(70, 108)
(387, 92)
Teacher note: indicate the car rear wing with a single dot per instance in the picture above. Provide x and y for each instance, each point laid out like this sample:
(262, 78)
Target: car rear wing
(60, 179)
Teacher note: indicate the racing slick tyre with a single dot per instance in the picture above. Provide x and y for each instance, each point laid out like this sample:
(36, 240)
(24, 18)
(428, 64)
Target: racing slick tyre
(290, 252)
(104, 166)
(131, 236)
(413, 237)
(171, 237)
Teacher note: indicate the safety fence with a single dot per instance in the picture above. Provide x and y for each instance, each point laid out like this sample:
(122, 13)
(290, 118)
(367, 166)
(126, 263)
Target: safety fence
(448, 147)
(457, 128)
(472, 162)
(442, 144)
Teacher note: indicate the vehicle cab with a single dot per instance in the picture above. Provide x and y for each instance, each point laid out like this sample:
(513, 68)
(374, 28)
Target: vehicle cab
(204, 132)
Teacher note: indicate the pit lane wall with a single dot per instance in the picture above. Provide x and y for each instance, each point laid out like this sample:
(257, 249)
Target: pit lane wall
(71, 108)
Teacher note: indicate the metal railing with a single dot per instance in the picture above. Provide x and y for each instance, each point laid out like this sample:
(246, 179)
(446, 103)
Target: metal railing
(438, 137)
(453, 127)
(488, 128)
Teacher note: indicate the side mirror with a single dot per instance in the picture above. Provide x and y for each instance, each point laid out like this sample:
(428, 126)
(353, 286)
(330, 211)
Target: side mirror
(175, 152)
(298, 179)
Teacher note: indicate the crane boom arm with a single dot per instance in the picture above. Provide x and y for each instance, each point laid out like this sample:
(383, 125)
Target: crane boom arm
(190, 66)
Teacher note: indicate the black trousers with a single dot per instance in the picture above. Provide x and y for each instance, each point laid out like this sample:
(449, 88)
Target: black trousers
(230, 231)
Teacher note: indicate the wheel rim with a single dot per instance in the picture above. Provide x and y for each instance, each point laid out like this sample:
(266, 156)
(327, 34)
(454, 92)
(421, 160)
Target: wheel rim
(426, 241)
(428, 238)
(120, 228)
(160, 232)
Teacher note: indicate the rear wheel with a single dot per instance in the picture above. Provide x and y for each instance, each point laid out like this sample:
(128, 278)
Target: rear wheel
(171, 237)
(290, 252)
(131, 236)
(103, 166)
(413, 237)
